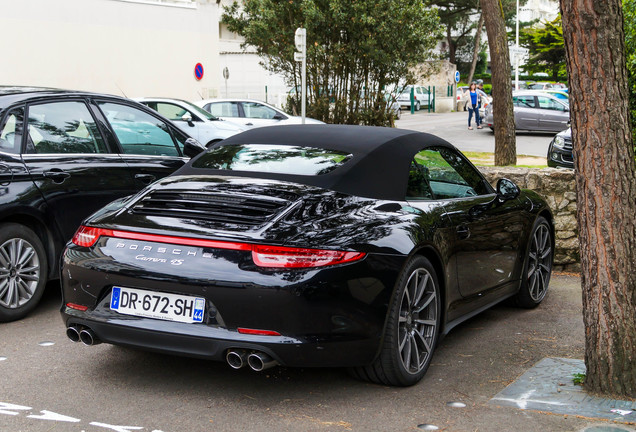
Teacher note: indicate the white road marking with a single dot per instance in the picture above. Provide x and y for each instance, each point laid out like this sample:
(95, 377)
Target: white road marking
(50, 415)
(116, 428)
(9, 409)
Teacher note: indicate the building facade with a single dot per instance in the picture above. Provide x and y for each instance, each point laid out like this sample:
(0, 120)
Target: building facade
(126, 47)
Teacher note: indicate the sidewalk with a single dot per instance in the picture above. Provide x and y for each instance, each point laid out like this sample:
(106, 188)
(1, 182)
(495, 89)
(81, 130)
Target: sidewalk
(479, 360)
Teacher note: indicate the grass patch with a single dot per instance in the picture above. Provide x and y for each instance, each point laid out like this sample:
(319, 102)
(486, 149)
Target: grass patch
(488, 159)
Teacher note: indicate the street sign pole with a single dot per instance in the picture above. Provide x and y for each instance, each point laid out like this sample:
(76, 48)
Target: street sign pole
(300, 39)
(226, 75)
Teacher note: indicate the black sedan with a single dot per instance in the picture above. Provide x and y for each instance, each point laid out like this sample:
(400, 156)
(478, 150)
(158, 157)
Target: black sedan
(560, 153)
(64, 155)
(314, 245)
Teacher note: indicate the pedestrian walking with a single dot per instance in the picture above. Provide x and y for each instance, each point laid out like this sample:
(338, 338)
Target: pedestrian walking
(472, 104)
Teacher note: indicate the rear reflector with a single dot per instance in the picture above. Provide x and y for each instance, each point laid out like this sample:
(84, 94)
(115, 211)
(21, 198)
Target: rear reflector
(77, 307)
(263, 255)
(258, 332)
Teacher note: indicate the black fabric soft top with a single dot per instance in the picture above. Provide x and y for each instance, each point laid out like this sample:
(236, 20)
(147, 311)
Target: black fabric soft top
(378, 169)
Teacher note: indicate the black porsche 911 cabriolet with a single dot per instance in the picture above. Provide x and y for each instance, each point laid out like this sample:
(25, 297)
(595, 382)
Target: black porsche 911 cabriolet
(310, 245)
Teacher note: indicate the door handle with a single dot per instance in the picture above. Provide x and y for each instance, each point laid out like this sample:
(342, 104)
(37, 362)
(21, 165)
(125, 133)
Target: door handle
(57, 175)
(249, 124)
(145, 178)
(463, 232)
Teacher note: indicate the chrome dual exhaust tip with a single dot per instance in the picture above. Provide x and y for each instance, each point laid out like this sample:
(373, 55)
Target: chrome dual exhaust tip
(257, 361)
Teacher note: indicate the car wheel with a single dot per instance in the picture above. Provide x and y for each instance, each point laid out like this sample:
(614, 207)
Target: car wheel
(417, 106)
(398, 114)
(412, 329)
(537, 267)
(23, 271)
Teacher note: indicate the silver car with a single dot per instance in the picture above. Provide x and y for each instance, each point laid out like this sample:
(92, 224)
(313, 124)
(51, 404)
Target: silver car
(536, 111)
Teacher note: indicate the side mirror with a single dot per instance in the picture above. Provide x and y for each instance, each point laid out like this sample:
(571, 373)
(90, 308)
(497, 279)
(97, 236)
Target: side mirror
(187, 117)
(507, 190)
(192, 147)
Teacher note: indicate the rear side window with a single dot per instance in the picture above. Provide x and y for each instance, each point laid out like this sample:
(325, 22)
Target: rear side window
(138, 132)
(272, 158)
(223, 109)
(11, 131)
(523, 101)
(551, 104)
(63, 127)
(442, 173)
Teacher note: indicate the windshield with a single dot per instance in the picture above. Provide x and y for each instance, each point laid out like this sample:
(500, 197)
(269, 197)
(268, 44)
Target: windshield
(272, 158)
(203, 113)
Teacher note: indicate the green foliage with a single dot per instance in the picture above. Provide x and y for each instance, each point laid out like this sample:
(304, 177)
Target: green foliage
(578, 378)
(356, 49)
(547, 48)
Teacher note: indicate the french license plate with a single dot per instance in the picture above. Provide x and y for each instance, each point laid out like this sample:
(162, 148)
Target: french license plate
(150, 304)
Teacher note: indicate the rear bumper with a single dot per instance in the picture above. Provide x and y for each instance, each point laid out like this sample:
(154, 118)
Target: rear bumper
(333, 316)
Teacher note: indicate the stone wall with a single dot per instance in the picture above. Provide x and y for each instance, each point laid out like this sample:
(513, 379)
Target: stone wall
(558, 187)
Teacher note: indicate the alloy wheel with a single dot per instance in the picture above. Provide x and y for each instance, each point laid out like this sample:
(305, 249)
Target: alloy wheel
(19, 272)
(539, 263)
(417, 324)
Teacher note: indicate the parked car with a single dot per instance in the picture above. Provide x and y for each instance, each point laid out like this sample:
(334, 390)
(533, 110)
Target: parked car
(421, 97)
(283, 245)
(523, 85)
(559, 94)
(541, 85)
(536, 111)
(560, 153)
(250, 113)
(63, 155)
(193, 120)
(462, 98)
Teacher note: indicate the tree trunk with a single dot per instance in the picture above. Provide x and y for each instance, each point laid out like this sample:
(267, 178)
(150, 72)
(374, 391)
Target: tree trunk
(451, 46)
(473, 65)
(606, 191)
(503, 116)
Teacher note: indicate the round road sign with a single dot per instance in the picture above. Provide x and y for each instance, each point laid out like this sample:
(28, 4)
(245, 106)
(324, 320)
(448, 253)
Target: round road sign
(198, 71)
(457, 76)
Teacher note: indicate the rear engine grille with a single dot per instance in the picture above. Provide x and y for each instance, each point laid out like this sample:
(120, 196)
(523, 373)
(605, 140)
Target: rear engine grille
(234, 209)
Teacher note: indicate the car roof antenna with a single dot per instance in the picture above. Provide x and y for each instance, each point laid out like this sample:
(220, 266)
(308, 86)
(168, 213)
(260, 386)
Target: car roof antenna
(122, 92)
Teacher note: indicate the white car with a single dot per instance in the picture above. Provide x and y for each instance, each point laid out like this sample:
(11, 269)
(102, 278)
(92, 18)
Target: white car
(193, 120)
(250, 113)
(421, 97)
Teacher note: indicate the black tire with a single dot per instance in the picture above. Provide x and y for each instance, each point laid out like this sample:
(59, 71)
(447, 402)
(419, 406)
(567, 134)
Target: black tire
(23, 271)
(399, 114)
(537, 267)
(407, 329)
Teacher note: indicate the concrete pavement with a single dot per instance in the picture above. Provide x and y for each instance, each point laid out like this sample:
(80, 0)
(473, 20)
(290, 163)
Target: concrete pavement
(453, 127)
(58, 385)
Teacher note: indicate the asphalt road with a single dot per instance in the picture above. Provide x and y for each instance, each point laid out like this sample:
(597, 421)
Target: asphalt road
(52, 384)
(453, 127)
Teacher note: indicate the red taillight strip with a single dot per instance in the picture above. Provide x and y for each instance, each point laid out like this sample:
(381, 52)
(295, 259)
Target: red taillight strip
(258, 332)
(263, 255)
(183, 241)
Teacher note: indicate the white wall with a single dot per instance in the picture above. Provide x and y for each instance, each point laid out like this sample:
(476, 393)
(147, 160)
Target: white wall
(140, 48)
(248, 78)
